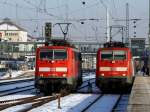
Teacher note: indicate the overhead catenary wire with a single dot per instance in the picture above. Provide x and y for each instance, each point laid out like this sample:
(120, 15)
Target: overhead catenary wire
(113, 2)
(14, 5)
(106, 7)
(46, 12)
(70, 19)
(81, 9)
(28, 8)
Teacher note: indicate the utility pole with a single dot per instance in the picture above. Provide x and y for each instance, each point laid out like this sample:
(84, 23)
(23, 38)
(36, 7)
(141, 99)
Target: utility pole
(108, 38)
(16, 12)
(127, 25)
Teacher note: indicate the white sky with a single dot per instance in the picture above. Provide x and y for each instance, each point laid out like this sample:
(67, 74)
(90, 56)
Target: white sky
(32, 14)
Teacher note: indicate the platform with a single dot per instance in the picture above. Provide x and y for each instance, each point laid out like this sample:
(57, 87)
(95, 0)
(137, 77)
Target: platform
(139, 100)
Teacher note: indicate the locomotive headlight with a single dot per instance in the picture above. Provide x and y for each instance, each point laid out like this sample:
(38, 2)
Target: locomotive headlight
(64, 75)
(123, 74)
(102, 74)
(41, 75)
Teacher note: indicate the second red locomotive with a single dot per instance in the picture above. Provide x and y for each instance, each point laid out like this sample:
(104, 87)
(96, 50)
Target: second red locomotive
(57, 67)
(114, 67)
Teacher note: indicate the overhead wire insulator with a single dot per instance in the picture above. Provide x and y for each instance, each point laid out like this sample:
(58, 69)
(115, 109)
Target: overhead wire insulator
(83, 2)
(82, 22)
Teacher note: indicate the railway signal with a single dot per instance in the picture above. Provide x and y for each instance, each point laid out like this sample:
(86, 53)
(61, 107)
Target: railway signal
(48, 31)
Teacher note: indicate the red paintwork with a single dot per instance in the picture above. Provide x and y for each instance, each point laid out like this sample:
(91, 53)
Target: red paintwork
(117, 63)
(69, 63)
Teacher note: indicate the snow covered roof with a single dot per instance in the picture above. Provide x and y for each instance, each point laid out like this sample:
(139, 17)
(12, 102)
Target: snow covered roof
(7, 24)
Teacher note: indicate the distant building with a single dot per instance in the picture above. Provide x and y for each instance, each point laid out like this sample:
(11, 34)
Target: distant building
(9, 31)
(138, 46)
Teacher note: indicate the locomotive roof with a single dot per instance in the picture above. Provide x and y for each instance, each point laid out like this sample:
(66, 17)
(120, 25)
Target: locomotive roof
(59, 42)
(115, 48)
(113, 44)
(59, 47)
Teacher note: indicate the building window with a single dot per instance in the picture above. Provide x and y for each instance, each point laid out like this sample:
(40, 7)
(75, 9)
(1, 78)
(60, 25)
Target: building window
(11, 34)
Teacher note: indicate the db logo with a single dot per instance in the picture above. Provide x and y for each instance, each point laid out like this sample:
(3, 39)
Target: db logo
(53, 69)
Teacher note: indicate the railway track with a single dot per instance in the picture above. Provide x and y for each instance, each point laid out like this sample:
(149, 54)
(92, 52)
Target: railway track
(30, 103)
(89, 87)
(34, 102)
(16, 86)
(16, 90)
(99, 104)
(37, 101)
(85, 109)
(15, 80)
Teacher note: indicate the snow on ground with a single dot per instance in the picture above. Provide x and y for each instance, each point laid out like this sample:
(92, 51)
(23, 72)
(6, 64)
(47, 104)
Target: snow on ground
(17, 85)
(105, 104)
(87, 76)
(1, 74)
(71, 103)
(19, 95)
(77, 102)
(16, 96)
(13, 74)
(17, 108)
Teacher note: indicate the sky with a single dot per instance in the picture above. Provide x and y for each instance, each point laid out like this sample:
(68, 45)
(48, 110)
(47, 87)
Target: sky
(87, 17)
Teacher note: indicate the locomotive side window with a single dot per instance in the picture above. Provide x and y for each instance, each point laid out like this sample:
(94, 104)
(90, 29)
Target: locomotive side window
(106, 55)
(60, 54)
(119, 55)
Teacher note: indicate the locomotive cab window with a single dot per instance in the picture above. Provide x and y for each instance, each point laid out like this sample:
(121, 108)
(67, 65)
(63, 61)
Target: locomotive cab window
(60, 54)
(55, 54)
(46, 54)
(106, 55)
(113, 55)
(119, 55)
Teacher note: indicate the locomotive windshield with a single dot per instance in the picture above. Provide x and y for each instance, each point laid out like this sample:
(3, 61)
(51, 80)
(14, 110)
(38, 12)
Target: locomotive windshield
(113, 55)
(54, 54)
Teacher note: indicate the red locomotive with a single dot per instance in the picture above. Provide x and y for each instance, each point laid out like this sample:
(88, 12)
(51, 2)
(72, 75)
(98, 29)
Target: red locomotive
(57, 66)
(114, 67)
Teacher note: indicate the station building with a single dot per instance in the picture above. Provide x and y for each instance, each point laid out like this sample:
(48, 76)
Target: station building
(138, 46)
(11, 32)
